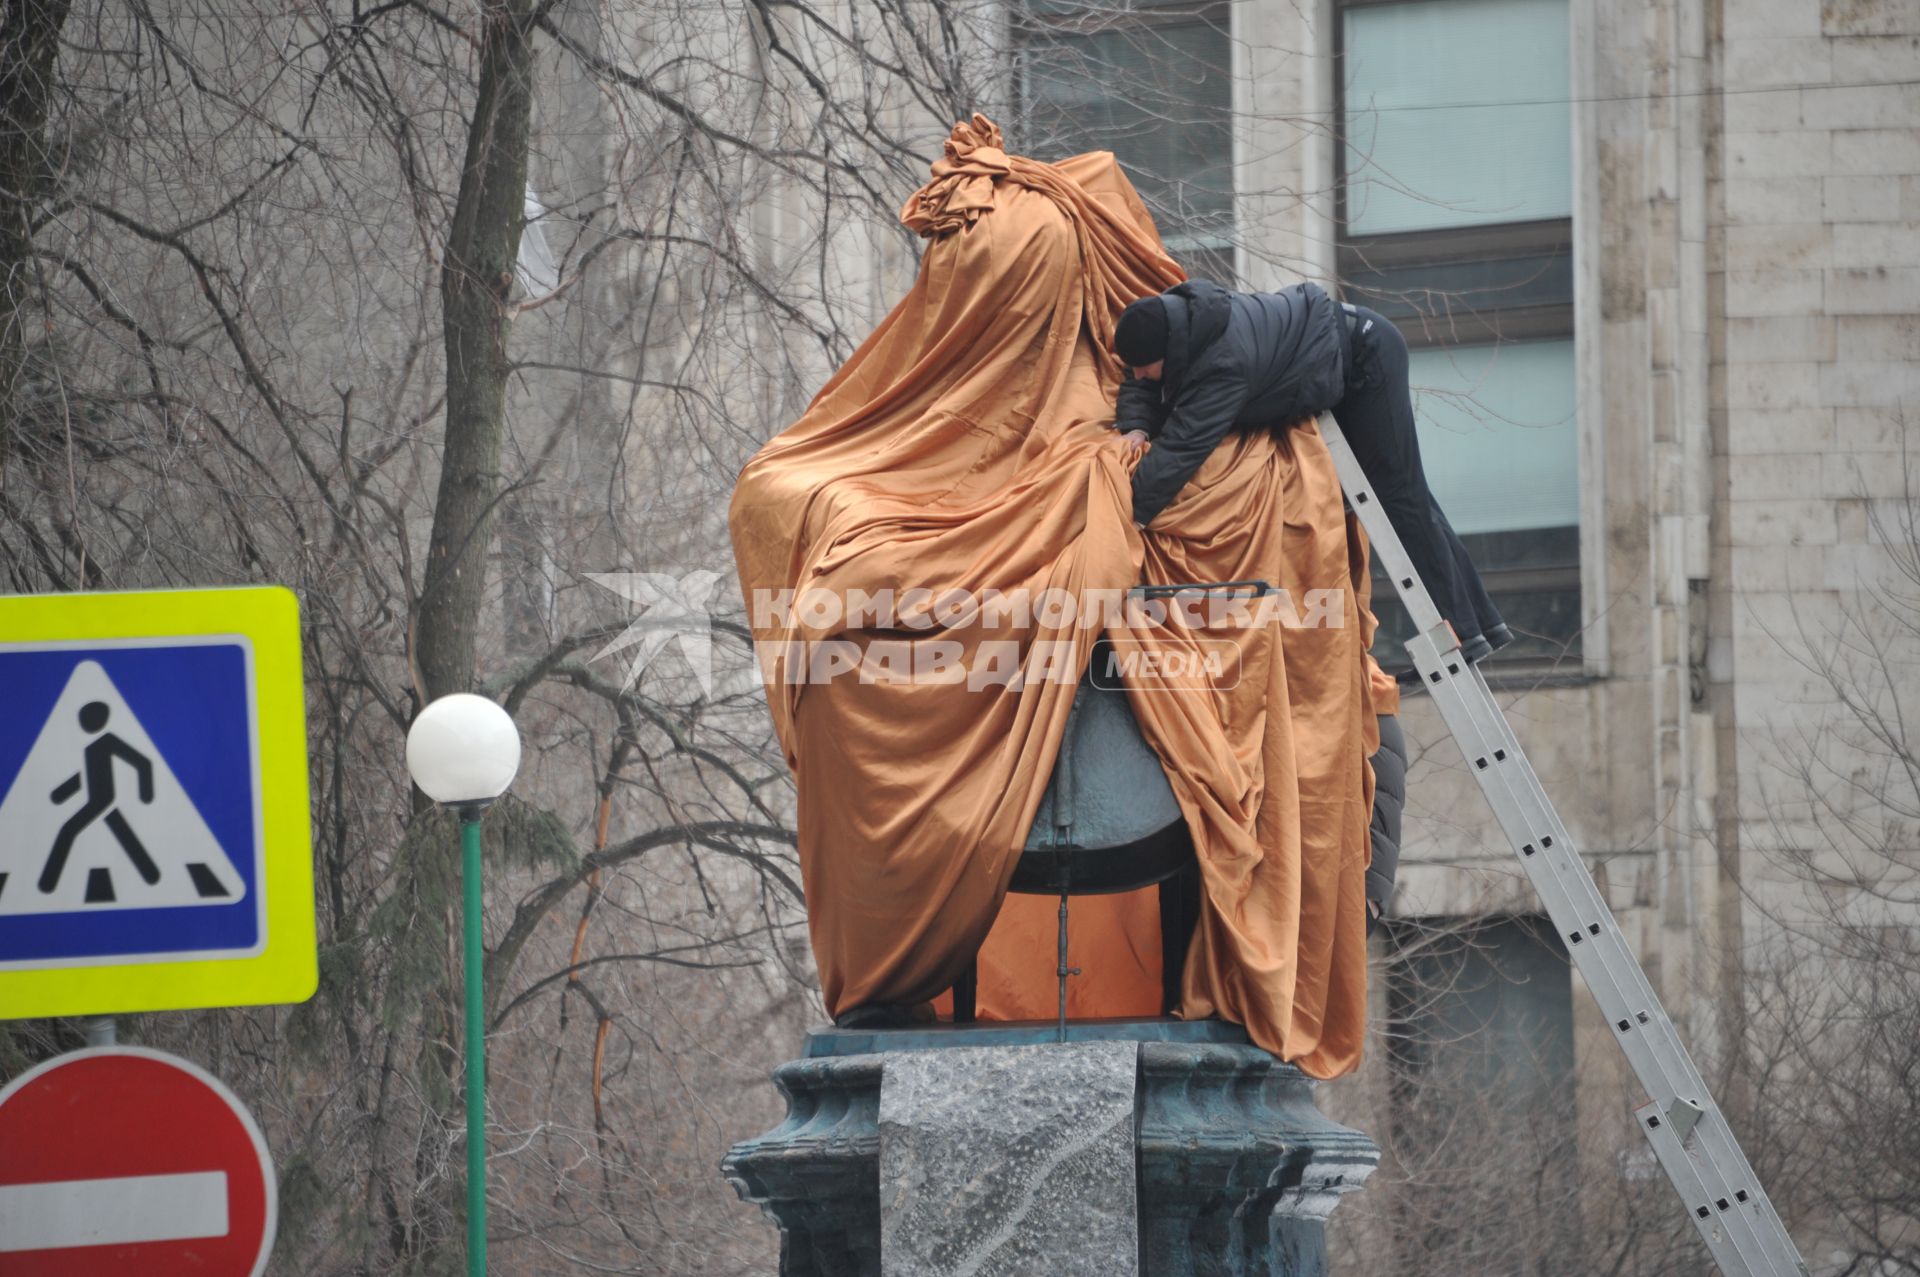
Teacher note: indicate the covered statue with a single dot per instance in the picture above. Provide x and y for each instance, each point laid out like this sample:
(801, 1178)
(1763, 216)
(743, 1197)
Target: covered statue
(947, 532)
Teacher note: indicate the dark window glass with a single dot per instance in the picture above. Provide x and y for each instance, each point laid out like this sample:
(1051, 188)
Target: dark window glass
(1466, 287)
(1483, 1006)
(1483, 1129)
(1537, 587)
(1154, 85)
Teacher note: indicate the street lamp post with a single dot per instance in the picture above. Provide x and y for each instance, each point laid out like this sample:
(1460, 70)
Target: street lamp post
(463, 751)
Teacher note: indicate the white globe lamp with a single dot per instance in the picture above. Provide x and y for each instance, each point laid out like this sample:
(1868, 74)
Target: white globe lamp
(463, 750)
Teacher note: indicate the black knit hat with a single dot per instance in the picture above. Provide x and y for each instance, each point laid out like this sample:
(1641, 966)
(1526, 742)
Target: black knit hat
(1140, 338)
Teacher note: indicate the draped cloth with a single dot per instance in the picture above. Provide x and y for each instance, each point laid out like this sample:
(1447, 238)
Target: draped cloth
(967, 445)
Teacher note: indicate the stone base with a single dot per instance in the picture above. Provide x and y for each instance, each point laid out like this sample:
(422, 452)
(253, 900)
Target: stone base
(999, 1161)
(1237, 1170)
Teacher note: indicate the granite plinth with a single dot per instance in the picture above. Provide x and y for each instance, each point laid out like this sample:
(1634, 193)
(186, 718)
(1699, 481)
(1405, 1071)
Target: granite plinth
(1236, 1169)
(1004, 1161)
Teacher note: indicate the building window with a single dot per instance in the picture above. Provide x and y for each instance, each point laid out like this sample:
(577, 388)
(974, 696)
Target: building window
(1153, 83)
(1456, 223)
(1480, 1033)
(1484, 1005)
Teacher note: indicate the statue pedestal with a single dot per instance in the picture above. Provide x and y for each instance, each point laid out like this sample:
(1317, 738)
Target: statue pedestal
(1237, 1170)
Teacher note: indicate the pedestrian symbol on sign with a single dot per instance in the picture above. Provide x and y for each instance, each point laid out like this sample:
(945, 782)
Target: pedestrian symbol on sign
(111, 851)
(96, 777)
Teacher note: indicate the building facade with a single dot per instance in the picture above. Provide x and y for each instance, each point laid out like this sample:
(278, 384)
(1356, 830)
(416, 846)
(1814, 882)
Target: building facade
(1659, 262)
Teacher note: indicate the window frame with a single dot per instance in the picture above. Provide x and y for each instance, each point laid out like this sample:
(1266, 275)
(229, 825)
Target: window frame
(1215, 15)
(1478, 325)
(1472, 326)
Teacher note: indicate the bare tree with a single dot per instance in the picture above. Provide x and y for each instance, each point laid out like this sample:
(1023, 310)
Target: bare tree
(1838, 894)
(272, 315)
(433, 313)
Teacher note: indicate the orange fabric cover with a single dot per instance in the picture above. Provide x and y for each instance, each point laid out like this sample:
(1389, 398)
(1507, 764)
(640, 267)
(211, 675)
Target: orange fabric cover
(968, 444)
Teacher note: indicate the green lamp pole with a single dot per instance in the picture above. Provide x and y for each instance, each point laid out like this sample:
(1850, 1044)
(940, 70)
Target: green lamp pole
(463, 751)
(476, 1043)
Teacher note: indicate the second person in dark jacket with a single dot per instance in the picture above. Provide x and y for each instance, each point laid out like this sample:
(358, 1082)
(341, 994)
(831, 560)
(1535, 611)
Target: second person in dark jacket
(1207, 361)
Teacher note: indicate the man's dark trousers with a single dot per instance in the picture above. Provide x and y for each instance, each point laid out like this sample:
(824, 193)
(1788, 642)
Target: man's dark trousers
(1376, 415)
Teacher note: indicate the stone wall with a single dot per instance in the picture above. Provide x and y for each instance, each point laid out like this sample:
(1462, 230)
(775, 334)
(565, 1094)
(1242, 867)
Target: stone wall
(1747, 223)
(1748, 228)
(1817, 272)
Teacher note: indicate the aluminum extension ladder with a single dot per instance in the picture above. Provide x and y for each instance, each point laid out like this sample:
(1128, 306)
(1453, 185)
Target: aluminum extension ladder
(1689, 1135)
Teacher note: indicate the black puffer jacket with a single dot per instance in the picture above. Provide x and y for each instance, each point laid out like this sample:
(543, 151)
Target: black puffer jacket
(1246, 360)
(1389, 802)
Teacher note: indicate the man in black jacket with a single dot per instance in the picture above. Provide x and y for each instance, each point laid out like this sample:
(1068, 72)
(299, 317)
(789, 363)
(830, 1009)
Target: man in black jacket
(1206, 361)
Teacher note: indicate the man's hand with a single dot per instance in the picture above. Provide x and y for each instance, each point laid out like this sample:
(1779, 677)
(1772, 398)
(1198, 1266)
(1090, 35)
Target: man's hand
(1138, 406)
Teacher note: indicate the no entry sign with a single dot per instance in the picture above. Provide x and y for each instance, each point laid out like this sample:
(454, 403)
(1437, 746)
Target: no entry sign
(124, 1160)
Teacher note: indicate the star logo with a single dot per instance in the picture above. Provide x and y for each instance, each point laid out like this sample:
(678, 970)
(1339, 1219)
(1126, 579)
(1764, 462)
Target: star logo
(669, 609)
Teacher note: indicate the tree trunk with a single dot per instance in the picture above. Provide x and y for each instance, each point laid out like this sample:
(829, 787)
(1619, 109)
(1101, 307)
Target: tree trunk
(29, 39)
(475, 281)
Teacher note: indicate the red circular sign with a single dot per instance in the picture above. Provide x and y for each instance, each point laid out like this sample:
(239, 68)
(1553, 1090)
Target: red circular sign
(123, 1160)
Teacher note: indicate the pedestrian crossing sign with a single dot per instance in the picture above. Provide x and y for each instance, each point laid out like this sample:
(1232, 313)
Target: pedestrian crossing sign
(155, 851)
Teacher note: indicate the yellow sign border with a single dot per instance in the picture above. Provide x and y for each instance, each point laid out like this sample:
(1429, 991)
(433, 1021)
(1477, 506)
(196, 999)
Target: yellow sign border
(286, 969)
